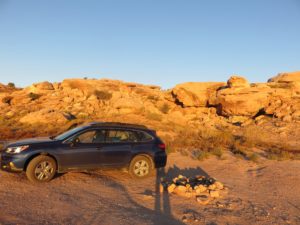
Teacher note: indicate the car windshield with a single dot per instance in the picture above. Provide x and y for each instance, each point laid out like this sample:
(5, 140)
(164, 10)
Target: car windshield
(67, 134)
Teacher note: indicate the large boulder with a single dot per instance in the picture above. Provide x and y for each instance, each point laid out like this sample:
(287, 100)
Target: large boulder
(242, 102)
(40, 87)
(237, 81)
(286, 77)
(196, 94)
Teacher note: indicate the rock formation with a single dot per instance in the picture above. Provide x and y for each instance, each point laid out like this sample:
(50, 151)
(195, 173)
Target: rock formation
(193, 104)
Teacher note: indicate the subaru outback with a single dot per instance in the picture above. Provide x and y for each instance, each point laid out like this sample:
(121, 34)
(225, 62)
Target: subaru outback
(92, 146)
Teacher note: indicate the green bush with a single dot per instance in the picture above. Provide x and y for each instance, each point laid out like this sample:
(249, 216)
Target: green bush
(200, 155)
(218, 151)
(103, 95)
(7, 99)
(11, 85)
(33, 96)
(253, 157)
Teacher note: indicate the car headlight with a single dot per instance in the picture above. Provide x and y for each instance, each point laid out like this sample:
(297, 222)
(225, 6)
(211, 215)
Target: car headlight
(16, 150)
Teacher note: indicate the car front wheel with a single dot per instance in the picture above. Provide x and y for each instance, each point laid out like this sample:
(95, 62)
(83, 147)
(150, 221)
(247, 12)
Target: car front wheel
(140, 167)
(41, 169)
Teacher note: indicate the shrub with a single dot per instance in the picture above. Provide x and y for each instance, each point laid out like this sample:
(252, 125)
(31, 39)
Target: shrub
(238, 150)
(33, 96)
(200, 155)
(11, 85)
(103, 95)
(217, 152)
(164, 108)
(7, 100)
(253, 157)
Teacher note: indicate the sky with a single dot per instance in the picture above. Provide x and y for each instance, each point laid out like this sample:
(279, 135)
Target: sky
(162, 42)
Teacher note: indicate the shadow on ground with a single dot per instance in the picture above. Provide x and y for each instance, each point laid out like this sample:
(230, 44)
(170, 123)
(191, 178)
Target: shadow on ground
(162, 200)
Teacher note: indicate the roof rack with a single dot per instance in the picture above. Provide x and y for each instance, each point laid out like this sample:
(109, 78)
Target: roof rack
(118, 124)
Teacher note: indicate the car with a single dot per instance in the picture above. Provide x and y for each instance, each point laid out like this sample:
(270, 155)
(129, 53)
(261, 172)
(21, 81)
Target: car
(91, 146)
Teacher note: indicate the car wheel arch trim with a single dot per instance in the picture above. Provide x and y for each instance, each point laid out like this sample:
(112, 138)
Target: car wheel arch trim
(147, 156)
(40, 153)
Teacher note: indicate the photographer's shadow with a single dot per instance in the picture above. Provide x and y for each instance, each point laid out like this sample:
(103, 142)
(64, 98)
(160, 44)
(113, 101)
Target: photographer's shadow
(162, 200)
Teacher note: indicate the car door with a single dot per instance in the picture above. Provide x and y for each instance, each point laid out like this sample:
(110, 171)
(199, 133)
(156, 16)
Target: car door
(83, 150)
(117, 150)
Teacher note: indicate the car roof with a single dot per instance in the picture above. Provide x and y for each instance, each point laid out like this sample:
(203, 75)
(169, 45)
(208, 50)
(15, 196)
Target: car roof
(117, 125)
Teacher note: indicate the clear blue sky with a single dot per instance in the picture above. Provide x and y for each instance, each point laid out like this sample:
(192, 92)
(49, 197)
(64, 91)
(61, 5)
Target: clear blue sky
(160, 42)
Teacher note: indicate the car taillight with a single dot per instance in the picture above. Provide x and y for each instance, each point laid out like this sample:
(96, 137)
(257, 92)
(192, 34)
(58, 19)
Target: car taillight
(162, 147)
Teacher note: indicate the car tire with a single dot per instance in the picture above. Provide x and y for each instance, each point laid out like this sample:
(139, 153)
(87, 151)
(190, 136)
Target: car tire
(140, 167)
(41, 169)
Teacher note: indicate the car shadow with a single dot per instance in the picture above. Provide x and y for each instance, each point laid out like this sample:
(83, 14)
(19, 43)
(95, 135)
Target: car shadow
(162, 211)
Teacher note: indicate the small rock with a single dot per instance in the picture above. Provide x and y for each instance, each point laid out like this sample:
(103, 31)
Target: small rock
(220, 205)
(219, 185)
(214, 194)
(203, 199)
(200, 188)
(212, 187)
(171, 188)
(181, 176)
(189, 194)
(179, 189)
(147, 197)
(184, 219)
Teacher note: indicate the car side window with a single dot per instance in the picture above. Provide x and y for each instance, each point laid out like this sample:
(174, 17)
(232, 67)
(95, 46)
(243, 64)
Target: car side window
(90, 137)
(116, 136)
(143, 136)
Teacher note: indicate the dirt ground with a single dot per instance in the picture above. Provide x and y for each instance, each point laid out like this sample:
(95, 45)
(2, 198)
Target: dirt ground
(263, 193)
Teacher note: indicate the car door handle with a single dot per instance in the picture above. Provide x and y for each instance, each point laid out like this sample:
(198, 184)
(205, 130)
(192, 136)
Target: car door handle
(99, 148)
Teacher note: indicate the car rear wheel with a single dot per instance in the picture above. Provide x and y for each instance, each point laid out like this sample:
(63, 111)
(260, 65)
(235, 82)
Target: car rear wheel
(140, 167)
(41, 169)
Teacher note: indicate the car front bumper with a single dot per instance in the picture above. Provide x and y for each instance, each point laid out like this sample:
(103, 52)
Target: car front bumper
(11, 163)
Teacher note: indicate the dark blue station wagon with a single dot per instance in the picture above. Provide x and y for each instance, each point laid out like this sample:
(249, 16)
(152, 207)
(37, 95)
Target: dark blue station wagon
(92, 146)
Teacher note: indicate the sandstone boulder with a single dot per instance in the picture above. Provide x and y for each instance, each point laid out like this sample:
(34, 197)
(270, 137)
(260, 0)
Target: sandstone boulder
(286, 77)
(243, 102)
(40, 87)
(237, 81)
(196, 94)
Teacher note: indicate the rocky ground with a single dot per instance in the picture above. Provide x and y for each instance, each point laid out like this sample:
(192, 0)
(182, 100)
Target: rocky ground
(263, 193)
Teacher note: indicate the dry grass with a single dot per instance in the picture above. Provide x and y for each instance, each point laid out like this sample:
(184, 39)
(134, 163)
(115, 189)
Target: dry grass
(153, 116)
(164, 108)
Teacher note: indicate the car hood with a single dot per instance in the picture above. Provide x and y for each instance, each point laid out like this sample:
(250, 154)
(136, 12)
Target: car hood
(30, 141)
